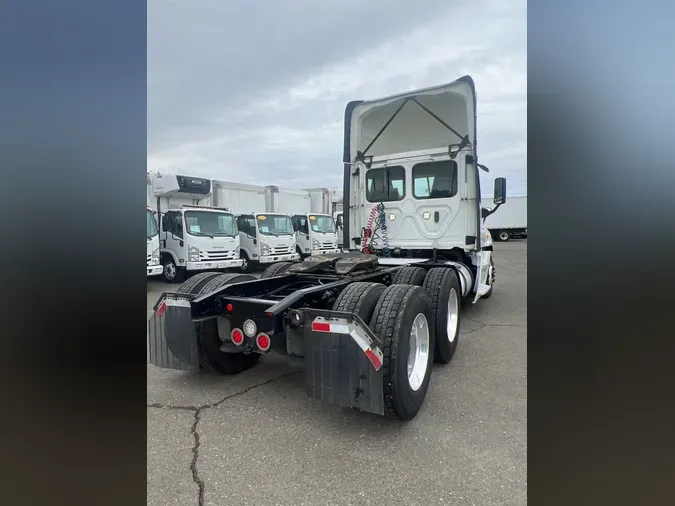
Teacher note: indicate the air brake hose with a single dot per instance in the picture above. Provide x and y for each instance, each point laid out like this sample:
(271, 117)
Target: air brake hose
(379, 219)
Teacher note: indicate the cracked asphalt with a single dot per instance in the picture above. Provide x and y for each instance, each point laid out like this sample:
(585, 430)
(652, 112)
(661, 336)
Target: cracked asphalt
(257, 439)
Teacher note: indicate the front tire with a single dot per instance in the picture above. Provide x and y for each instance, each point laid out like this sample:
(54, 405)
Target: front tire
(442, 287)
(246, 263)
(492, 280)
(171, 273)
(400, 321)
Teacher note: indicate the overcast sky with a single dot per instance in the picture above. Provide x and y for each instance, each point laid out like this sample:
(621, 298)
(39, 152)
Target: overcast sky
(255, 92)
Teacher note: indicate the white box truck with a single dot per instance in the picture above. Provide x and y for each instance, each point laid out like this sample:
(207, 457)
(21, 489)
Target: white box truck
(337, 214)
(315, 233)
(154, 268)
(194, 236)
(510, 221)
(265, 238)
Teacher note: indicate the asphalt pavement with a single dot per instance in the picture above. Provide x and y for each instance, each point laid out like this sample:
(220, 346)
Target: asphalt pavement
(256, 439)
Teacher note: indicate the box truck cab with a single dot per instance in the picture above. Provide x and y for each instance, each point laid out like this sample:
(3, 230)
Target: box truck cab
(154, 268)
(314, 231)
(266, 239)
(193, 235)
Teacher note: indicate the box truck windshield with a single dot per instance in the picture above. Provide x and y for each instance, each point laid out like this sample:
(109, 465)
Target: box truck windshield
(210, 224)
(150, 224)
(322, 224)
(270, 224)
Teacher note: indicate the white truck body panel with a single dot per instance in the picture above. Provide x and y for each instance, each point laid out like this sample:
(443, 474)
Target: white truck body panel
(512, 214)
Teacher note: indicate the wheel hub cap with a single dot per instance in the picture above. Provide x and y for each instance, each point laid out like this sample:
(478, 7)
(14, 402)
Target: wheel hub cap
(453, 315)
(418, 356)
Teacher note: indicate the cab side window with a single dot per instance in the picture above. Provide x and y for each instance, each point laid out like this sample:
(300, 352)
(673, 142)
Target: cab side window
(172, 223)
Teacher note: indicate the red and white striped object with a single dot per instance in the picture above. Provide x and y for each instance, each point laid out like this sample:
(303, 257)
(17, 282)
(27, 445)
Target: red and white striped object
(171, 302)
(342, 326)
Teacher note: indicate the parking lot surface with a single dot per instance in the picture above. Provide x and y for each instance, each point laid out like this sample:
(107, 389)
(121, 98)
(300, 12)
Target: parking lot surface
(256, 439)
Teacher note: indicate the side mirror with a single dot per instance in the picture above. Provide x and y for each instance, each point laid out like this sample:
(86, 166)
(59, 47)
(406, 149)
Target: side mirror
(500, 191)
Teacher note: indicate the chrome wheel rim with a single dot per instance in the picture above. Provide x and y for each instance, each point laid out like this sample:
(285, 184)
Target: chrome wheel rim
(418, 355)
(453, 315)
(244, 264)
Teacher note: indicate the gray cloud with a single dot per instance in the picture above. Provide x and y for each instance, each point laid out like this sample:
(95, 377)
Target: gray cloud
(256, 93)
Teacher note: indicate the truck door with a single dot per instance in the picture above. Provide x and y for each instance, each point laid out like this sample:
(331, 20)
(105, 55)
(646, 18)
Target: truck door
(172, 225)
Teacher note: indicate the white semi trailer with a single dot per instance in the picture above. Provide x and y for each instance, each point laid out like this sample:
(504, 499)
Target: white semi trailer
(194, 235)
(265, 238)
(315, 232)
(510, 221)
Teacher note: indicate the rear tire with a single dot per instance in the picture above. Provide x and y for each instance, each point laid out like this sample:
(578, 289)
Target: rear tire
(360, 298)
(208, 341)
(442, 287)
(399, 307)
(276, 269)
(409, 276)
(504, 235)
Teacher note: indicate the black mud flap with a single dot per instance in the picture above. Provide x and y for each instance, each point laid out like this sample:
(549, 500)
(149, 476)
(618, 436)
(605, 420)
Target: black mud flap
(172, 338)
(337, 371)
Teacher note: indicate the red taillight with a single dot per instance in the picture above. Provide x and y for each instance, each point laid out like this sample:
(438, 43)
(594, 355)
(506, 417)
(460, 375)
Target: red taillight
(237, 337)
(229, 308)
(263, 342)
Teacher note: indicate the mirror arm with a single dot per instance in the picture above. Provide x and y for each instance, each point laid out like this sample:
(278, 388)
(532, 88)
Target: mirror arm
(485, 212)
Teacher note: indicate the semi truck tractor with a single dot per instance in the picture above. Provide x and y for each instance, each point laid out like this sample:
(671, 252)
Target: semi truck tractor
(368, 323)
(154, 268)
(265, 238)
(315, 232)
(510, 221)
(194, 236)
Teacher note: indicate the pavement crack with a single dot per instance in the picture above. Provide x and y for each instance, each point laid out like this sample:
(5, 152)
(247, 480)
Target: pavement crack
(195, 457)
(197, 410)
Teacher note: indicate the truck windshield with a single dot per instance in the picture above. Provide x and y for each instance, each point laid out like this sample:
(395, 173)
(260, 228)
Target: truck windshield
(322, 224)
(210, 224)
(275, 224)
(150, 224)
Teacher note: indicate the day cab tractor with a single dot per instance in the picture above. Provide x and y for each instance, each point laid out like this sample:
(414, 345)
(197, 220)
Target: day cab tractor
(367, 323)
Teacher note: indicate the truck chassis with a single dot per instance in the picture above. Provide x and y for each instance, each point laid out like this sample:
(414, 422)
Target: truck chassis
(361, 329)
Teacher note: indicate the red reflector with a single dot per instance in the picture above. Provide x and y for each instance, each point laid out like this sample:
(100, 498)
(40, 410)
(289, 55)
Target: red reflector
(229, 307)
(373, 359)
(263, 341)
(161, 309)
(320, 327)
(271, 315)
(237, 336)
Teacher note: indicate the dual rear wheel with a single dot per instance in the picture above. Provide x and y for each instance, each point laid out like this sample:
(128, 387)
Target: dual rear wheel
(416, 323)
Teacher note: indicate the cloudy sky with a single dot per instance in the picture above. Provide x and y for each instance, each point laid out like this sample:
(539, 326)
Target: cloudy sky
(255, 91)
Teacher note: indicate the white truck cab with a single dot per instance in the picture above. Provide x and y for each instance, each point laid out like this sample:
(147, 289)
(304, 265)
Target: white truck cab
(266, 238)
(316, 234)
(194, 236)
(154, 267)
(412, 183)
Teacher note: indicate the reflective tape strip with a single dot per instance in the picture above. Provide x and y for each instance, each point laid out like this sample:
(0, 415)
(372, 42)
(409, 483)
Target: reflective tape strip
(173, 303)
(340, 326)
